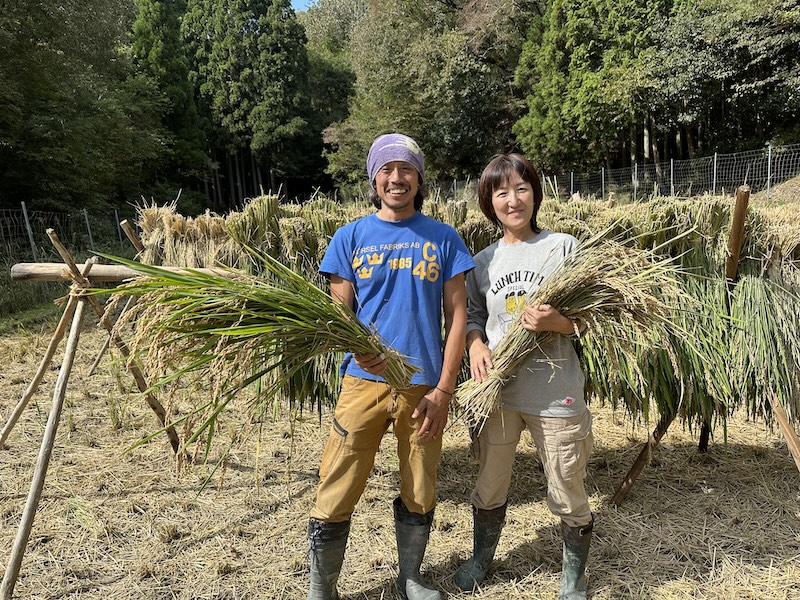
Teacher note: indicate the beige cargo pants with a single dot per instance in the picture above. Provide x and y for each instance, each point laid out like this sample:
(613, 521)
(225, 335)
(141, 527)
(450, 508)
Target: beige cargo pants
(364, 411)
(564, 446)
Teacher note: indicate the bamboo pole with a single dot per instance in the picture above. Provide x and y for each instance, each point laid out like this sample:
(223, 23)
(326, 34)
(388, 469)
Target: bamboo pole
(138, 376)
(792, 441)
(58, 335)
(132, 235)
(107, 341)
(56, 272)
(45, 451)
(642, 460)
(737, 233)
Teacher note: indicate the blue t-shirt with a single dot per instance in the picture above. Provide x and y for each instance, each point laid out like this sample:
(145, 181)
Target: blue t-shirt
(398, 270)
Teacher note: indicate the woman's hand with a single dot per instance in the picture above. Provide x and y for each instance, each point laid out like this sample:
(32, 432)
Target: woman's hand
(480, 360)
(544, 317)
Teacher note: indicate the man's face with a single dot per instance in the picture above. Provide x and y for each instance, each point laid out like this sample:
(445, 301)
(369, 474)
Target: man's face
(397, 183)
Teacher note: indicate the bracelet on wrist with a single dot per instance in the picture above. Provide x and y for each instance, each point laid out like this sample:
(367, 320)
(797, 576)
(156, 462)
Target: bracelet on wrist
(444, 391)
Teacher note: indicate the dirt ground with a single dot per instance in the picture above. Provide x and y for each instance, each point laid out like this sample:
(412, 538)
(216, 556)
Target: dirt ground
(115, 525)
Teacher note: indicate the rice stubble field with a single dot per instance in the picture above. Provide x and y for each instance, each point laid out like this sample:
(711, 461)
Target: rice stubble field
(117, 525)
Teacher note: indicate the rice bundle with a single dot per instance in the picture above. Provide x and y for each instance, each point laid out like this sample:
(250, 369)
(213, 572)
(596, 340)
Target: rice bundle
(240, 328)
(609, 287)
(766, 344)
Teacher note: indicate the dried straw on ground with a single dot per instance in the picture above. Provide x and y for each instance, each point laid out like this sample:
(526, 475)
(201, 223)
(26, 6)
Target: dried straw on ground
(720, 525)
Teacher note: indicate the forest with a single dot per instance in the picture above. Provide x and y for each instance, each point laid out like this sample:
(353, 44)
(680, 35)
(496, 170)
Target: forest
(106, 102)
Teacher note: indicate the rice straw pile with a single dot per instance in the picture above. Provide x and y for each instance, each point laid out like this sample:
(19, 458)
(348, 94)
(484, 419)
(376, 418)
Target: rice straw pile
(611, 288)
(240, 328)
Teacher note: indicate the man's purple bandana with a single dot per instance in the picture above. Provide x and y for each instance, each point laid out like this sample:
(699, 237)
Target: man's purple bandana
(391, 147)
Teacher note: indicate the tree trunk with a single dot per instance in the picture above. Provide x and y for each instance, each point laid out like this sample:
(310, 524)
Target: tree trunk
(205, 189)
(656, 155)
(632, 147)
(218, 188)
(231, 181)
(239, 186)
(254, 174)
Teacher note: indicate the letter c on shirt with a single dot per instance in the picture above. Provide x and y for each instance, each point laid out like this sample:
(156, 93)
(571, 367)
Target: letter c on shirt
(428, 251)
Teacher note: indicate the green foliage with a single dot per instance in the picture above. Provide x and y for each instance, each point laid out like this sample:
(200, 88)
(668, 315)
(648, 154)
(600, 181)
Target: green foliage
(732, 70)
(582, 73)
(77, 129)
(250, 64)
(157, 52)
(447, 84)
(104, 101)
(613, 82)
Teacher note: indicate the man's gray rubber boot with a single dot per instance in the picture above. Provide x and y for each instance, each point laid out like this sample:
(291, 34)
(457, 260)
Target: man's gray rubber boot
(326, 544)
(412, 531)
(573, 563)
(487, 525)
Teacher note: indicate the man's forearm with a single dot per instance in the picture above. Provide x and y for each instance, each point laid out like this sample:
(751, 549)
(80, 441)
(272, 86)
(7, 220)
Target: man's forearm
(453, 354)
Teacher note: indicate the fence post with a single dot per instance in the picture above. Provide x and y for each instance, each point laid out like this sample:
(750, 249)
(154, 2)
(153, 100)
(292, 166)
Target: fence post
(671, 177)
(635, 179)
(769, 169)
(30, 232)
(714, 184)
(571, 184)
(602, 183)
(88, 228)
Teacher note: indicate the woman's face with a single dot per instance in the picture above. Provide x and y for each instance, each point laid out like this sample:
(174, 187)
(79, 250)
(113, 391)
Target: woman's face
(513, 204)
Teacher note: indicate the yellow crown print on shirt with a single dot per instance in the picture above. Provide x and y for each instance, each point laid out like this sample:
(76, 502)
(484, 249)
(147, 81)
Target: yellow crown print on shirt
(357, 261)
(364, 273)
(375, 259)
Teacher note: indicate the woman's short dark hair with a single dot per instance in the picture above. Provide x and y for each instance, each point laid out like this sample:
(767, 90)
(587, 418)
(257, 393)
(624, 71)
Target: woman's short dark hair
(421, 192)
(497, 172)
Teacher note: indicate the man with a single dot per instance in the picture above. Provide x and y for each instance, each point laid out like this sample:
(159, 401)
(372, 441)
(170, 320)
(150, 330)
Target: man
(399, 270)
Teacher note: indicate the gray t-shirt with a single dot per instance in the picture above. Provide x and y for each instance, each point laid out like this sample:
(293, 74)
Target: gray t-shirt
(550, 382)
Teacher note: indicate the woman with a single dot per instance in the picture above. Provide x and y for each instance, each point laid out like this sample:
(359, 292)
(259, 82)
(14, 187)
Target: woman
(546, 394)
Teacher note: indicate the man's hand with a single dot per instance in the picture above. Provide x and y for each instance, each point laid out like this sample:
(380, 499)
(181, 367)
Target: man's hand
(434, 408)
(374, 364)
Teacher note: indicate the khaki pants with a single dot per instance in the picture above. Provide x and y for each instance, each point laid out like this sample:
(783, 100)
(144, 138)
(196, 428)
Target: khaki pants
(364, 411)
(564, 446)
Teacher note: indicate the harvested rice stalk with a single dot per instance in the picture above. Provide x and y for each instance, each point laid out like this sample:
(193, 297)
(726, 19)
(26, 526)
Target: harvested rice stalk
(607, 286)
(191, 320)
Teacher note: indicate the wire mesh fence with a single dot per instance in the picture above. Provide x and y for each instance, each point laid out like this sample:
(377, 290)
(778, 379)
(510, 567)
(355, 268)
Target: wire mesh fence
(717, 174)
(23, 232)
